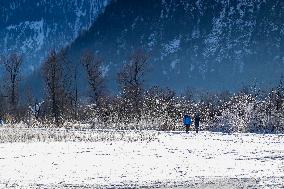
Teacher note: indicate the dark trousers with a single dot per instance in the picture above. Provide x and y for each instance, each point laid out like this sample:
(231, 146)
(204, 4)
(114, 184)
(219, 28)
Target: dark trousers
(196, 128)
(187, 128)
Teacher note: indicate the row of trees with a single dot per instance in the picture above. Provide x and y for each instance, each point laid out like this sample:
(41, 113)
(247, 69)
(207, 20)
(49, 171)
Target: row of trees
(61, 100)
(135, 107)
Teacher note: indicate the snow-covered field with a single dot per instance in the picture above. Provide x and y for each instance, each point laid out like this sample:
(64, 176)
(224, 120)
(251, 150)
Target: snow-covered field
(165, 159)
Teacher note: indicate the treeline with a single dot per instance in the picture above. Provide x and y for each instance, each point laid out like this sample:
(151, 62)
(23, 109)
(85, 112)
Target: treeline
(135, 107)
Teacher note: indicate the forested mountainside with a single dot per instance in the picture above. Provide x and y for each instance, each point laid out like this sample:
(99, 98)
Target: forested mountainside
(218, 44)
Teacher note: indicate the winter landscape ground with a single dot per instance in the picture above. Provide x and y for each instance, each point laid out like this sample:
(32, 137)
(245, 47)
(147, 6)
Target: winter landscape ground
(96, 94)
(59, 158)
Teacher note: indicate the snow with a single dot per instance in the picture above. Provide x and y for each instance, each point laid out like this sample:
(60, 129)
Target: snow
(36, 40)
(152, 40)
(173, 159)
(40, 32)
(192, 67)
(172, 47)
(79, 14)
(174, 63)
(105, 70)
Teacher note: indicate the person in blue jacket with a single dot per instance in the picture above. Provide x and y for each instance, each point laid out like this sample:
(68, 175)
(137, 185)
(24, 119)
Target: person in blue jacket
(187, 122)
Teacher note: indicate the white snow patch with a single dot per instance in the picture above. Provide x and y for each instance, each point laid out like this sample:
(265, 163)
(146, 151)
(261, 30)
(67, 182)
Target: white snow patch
(36, 40)
(195, 33)
(79, 14)
(192, 67)
(171, 47)
(174, 63)
(152, 41)
(105, 70)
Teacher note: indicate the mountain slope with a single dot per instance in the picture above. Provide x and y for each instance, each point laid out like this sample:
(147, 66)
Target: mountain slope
(198, 43)
(34, 27)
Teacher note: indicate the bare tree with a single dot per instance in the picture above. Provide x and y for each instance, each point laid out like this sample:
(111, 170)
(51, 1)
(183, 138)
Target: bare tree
(12, 64)
(55, 83)
(75, 93)
(3, 105)
(131, 81)
(92, 64)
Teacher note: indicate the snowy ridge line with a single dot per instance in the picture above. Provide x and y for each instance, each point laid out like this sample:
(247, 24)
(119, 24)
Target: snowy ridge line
(66, 135)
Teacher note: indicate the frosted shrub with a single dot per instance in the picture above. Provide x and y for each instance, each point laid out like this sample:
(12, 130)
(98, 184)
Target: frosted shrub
(236, 114)
(8, 134)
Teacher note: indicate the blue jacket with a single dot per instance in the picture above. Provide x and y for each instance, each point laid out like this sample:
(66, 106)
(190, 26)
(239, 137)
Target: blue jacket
(187, 120)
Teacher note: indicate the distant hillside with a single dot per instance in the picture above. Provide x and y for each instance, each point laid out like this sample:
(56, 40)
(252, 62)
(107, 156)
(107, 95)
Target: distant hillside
(34, 27)
(216, 44)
